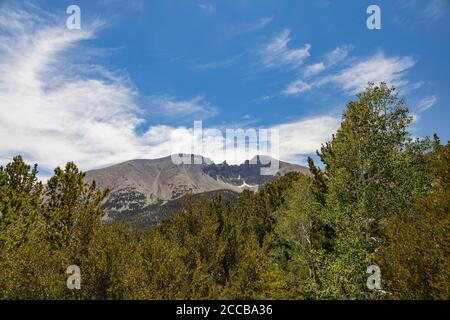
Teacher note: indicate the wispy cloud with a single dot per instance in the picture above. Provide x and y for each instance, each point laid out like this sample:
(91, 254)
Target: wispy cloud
(337, 55)
(297, 87)
(296, 140)
(220, 64)
(422, 106)
(207, 8)
(354, 78)
(413, 14)
(436, 9)
(305, 136)
(277, 53)
(254, 26)
(53, 110)
(331, 59)
(426, 103)
(239, 29)
(313, 69)
(376, 68)
(261, 24)
(170, 107)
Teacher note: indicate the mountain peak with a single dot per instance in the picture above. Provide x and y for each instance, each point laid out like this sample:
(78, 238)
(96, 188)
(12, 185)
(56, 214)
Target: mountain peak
(141, 186)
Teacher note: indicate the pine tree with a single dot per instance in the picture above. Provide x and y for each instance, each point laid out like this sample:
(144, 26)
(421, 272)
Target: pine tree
(416, 263)
(373, 171)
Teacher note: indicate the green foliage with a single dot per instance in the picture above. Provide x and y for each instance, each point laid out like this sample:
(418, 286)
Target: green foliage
(20, 202)
(43, 230)
(417, 260)
(332, 226)
(381, 198)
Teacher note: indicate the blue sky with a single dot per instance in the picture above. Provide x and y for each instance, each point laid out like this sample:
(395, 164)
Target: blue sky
(133, 80)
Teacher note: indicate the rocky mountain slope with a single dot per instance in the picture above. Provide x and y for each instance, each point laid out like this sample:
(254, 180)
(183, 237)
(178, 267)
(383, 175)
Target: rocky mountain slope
(148, 191)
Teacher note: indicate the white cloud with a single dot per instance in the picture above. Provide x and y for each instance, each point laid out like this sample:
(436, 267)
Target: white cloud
(337, 55)
(171, 107)
(305, 136)
(377, 68)
(354, 78)
(422, 106)
(53, 111)
(258, 25)
(426, 103)
(276, 53)
(314, 69)
(297, 87)
(296, 139)
(331, 59)
(48, 113)
(262, 23)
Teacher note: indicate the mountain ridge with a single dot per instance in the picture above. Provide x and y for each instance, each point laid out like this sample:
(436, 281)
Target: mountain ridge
(143, 186)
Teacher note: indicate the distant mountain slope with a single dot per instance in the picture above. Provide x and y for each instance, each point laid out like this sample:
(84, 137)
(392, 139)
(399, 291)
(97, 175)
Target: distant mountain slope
(149, 216)
(149, 190)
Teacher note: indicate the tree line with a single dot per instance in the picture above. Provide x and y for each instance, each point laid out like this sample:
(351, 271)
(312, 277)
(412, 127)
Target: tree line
(382, 198)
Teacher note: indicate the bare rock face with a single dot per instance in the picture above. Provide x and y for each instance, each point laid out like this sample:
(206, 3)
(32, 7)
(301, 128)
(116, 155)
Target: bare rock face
(147, 191)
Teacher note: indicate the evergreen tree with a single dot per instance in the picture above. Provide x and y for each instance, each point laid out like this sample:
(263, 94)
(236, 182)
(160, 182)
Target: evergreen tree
(373, 171)
(416, 264)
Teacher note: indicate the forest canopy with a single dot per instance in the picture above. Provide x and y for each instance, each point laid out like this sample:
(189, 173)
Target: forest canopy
(380, 197)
